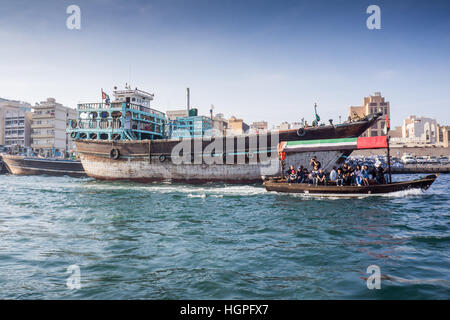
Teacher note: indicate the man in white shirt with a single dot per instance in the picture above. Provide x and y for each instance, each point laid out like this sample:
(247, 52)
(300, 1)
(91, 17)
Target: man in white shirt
(333, 174)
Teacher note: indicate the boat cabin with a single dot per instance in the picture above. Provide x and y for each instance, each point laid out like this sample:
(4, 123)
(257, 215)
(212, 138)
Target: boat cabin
(128, 117)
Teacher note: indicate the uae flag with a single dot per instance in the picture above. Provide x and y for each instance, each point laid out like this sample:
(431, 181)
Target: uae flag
(333, 144)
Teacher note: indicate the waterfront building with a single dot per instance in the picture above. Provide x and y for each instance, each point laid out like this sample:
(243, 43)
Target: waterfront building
(396, 132)
(49, 128)
(372, 104)
(444, 136)
(172, 115)
(194, 126)
(237, 126)
(15, 120)
(259, 127)
(283, 126)
(420, 129)
(220, 123)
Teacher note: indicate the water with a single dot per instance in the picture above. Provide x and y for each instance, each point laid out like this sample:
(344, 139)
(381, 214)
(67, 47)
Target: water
(174, 241)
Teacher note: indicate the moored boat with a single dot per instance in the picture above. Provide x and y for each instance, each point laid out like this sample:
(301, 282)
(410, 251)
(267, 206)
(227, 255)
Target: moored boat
(22, 165)
(3, 167)
(125, 139)
(281, 185)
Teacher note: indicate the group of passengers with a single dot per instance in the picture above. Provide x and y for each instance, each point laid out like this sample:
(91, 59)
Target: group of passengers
(345, 175)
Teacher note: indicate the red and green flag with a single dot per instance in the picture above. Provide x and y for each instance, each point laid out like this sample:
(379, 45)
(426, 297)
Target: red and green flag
(104, 95)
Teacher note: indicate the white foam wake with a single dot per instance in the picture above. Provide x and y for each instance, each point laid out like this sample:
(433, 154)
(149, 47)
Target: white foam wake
(190, 190)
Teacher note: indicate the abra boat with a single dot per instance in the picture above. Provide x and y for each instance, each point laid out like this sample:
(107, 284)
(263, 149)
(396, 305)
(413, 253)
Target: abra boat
(22, 165)
(125, 139)
(282, 185)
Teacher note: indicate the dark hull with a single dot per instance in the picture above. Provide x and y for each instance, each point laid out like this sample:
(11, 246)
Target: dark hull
(140, 160)
(21, 165)
(164, 147)
(283, 186)
(3, 167)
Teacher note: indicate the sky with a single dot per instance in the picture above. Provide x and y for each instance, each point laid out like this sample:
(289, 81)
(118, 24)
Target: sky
(254, 59)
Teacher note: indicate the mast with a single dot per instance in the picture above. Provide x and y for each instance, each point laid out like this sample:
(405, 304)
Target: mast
(387, 127)
(389, 160)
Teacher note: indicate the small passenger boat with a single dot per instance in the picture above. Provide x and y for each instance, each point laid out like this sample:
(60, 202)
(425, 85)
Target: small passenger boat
(281, 185)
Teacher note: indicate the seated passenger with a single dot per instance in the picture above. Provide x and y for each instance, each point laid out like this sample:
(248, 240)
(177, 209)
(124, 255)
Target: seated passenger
(300, 174)
(365, 175)
(314, 175)
(321, 178)
(333, 174)
(348, 174)
(340, 177)
(379, 174)
(306, 176)
(292, 176)
(357, 176)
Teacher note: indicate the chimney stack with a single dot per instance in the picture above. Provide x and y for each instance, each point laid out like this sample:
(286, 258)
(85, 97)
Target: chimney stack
(188, 100)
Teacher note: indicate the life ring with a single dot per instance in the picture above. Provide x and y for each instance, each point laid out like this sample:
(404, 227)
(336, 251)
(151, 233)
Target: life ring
(293, 176)
(74, 124)
(301, 132)
(114, 154)
(162, 158)
(74, 134)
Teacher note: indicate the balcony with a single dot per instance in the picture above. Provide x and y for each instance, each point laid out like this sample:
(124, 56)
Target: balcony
(43, 115)
(42, 146)
(42, 135)
(42, 125)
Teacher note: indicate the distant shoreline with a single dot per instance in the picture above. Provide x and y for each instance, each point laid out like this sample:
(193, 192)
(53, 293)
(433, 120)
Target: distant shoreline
(399, 151)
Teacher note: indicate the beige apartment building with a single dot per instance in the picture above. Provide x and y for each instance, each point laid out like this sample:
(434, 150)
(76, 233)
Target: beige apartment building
(444, 136)
(49, 128)
(15, 123)
(237, 126)
(372, 104)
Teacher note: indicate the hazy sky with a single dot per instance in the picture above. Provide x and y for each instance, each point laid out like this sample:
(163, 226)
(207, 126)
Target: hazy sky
(259, 60)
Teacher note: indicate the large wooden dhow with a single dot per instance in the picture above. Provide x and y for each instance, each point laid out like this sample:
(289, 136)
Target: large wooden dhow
(127, 140)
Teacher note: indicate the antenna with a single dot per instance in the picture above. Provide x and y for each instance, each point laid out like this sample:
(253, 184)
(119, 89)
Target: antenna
(211, 111)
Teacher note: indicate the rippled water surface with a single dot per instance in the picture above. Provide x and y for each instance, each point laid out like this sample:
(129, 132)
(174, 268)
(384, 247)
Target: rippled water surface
(174, 241)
